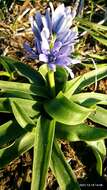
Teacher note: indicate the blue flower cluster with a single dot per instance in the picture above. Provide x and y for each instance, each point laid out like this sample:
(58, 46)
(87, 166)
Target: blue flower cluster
(54, 39)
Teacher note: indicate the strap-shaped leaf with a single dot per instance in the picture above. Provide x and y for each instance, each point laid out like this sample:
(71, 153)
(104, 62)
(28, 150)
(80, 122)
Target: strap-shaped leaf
(20, 146)
(42, 152)
(62, 170)
(9, 131)
(99, 116)
(4, 73)
(66, 111)
(89, 98)
(7, 67)
(71, 86)
(80, 132)
(99, 150)
(89, 78)
(61, 76)
(26, 88)
(32, 107)
(21, 116)
(99, 145)
(43, 69)
(4, 105)
(99, 164)
(17, 94)
(84, 81)
(23, 69)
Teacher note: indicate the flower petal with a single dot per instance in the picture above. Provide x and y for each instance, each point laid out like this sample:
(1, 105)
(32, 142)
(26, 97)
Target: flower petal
(45, 27)
(43, 58)
(48, 19)
(65, 51)
(38, 19)
(44, 42)
(61, 61)
(59, 12)
(58, 24)
(52, 10)
(37, 45)
(30, 52)
(57, 45)
(36, 31)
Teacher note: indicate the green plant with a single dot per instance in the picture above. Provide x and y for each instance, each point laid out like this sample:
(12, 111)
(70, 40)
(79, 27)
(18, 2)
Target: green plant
(38, 119)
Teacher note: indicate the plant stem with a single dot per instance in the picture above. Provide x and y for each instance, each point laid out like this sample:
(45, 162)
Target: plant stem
(51, 82)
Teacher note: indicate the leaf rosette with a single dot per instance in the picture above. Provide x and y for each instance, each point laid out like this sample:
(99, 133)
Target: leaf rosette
(37, 116)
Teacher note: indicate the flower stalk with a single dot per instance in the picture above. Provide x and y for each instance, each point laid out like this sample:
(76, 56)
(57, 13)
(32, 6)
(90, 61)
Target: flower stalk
(51, 81)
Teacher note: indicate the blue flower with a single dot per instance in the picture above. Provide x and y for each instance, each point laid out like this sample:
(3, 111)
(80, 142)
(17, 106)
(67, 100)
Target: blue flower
(54, 39)
(62, 18)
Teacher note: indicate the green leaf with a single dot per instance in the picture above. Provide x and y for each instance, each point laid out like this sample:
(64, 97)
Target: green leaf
(9, 131)
(61, 77)
(65, 111)
(20, 146)
(7, 67)
(14, 87)
(99, 150)
(43, 69)
(84, 81)
(99, 164)
(32, 107)
(89, 98)
(71, 86)
(99, 116)
(42, 152)
(4, 73)
(21, 116)
(99, 145)
(89, 78)
(16, 94)
(4, 105)
(80, 132)
(23, 69)
(62, 170)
